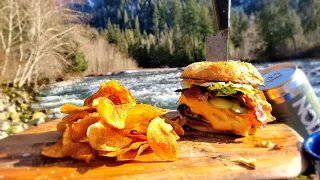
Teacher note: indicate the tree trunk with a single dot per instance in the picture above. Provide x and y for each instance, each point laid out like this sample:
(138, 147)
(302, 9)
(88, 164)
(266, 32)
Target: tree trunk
(15, 80)
(8, 46)
(294, 46)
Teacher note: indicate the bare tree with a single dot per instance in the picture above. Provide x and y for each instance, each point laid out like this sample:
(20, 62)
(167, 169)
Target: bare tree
(48, 36)
(10, 30)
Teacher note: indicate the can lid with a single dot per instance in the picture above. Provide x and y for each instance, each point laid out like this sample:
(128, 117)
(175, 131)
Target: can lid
(278, 74)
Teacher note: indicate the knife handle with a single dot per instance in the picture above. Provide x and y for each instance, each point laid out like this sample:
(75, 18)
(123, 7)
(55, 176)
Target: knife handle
(222, 12)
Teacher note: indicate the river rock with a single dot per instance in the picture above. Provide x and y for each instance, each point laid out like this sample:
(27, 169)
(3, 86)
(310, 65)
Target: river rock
(4, 116)
(38, 115)
(24, 106)
(15, 129)
(12, 108)
(15, 117)
(2, 107)
(38, 118)
(5, 125)
(37, 122)
(24, 96)
(3, 134)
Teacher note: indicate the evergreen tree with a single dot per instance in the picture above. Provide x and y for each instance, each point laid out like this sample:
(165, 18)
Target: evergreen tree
(309, 11)
(145, 35)
(111, 32)
(155, 20)
(275, 31)
(125, 19)
(119, 18)
(206, 24)
(190, 24)
(137, 33)
(177, 15)
(239, 24)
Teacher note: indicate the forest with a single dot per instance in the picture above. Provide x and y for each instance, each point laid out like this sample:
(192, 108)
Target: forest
(156, 33)
(272, 30)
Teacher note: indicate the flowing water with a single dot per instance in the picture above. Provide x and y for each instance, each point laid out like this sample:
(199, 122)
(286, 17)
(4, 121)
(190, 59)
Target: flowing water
(155, 87)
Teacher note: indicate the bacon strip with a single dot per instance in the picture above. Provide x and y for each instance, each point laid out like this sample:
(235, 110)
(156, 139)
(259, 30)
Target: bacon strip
(195, 92)
(259, 104)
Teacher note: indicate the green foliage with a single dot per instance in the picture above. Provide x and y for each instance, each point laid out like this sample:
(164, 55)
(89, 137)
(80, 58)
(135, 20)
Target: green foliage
(137, 33)
(155, 20)
(309, 11)
(80, 64)
(239, 24)
(276, 23)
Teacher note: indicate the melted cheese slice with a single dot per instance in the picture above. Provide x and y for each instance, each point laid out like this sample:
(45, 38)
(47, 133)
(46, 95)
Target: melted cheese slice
(223, 120)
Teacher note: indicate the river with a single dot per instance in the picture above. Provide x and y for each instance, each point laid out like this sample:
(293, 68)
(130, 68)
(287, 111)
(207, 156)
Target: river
(155, 87)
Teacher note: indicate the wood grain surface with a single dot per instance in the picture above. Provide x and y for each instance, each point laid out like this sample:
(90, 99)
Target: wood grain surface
(201, 156)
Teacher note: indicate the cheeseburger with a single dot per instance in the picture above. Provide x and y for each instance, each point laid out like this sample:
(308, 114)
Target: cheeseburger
(223, 97)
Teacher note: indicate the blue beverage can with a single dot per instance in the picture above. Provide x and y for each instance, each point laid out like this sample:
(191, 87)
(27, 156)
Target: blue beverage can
(292, 98)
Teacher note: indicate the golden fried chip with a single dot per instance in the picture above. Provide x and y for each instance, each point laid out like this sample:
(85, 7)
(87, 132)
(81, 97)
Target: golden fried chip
(117, 93)
(162, 139)
(105, 138)
(80, 151)
(61, 126)
(249, 162)
(115, 115)
(69, 119)
(142, 128)
(134, 145)
(71, 109)
(74, 117)
(67, 136)
(54, 151)
(138, 136)
(176, 126)
(80, 127)
(141, 113)
(132, 154)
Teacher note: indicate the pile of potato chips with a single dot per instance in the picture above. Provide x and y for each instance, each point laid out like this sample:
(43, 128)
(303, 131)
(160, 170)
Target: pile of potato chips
(111, 124)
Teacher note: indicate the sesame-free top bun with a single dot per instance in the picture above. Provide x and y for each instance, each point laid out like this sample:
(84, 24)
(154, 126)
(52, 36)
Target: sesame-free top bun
(224, 71)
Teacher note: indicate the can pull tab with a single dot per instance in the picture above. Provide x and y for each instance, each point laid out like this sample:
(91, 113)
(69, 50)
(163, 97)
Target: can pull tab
(273, 77)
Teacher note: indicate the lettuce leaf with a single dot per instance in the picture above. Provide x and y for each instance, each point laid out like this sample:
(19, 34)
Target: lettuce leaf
(227, 89)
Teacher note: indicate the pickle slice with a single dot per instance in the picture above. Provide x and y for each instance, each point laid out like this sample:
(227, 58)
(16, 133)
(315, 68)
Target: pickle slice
(221, 103)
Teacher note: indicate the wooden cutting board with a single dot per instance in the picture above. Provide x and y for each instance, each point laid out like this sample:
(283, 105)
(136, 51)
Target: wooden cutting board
(201, 156)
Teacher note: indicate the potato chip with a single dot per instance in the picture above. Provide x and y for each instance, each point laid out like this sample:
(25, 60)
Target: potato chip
(105, 138)
(162, 139)
(71, 109)
(76, 116)
(119, 128)
(132, 154)
(114, 115)
(67, 136)
(80, 127)
(138, 136)
(117, 94)
(54, 151)
(80, 151)
(61, 126)
(141, 113)
(176, 126)
(142, 128)
(134, 145)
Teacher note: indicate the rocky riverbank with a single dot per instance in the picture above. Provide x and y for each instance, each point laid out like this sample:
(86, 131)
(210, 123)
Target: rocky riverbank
(16, 114)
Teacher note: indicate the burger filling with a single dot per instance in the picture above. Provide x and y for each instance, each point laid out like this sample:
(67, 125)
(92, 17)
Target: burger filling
(226, 106)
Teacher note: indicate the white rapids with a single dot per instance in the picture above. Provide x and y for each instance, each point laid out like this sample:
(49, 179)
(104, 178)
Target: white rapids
(155, 87)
